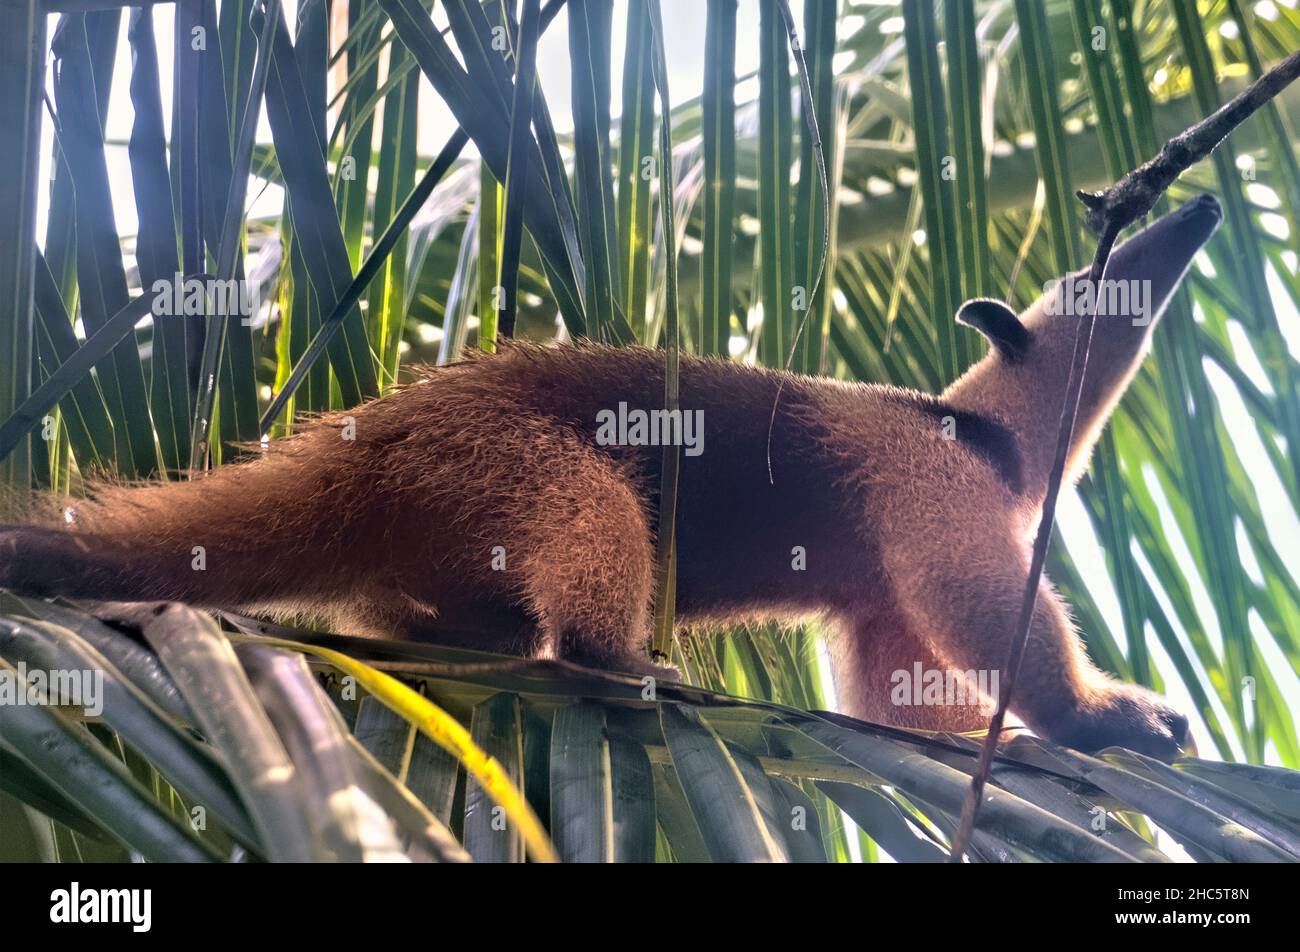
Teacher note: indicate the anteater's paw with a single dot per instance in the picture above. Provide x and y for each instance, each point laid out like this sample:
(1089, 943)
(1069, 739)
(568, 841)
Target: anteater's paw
(1126, 716)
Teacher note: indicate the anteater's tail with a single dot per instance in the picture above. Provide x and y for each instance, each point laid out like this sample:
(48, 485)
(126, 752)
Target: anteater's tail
(248, 535)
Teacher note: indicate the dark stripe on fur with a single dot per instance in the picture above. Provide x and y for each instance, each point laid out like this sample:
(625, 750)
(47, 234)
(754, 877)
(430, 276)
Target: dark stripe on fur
(990, 439)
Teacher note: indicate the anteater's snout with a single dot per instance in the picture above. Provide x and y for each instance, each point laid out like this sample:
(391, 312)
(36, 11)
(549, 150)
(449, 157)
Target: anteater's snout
(1203, 212)
(1190, 227)
(1161, 253)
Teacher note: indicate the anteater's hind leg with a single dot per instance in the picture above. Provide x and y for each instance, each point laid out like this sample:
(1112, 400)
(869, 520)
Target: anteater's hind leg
(587, 564)
(550, 526)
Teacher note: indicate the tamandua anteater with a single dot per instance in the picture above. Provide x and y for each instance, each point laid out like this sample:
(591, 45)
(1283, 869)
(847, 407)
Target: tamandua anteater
(500, 498)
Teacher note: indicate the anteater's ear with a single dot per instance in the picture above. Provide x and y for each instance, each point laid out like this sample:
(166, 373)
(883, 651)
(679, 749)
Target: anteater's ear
(998, 323)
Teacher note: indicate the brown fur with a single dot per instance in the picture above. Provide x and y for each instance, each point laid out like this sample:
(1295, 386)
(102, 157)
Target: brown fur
(916, 545)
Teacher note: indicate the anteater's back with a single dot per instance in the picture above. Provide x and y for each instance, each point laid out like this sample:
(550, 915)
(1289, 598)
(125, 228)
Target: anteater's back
(494, 494)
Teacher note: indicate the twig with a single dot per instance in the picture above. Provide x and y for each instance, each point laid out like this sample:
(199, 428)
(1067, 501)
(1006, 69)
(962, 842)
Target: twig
(665, 606)
(1069, 414)
(809, 111)
(1135, 194)
(1109, 212)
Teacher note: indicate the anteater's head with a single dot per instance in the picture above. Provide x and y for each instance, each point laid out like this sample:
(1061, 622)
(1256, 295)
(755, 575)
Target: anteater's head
(1022, 379)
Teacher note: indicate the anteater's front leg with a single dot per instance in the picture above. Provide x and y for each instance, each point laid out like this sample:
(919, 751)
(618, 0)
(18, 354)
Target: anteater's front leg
(884, 673)
(963, 588)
